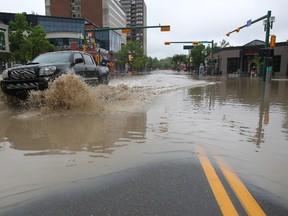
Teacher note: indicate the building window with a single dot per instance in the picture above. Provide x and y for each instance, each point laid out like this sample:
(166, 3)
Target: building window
(276, 63)
(233, 65)
(2, 40)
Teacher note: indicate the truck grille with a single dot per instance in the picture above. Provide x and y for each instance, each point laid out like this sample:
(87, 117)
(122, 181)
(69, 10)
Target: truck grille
(22, 86)
(22, 73)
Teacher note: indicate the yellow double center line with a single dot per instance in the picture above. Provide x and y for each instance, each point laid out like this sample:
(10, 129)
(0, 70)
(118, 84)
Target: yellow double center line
(225, 203)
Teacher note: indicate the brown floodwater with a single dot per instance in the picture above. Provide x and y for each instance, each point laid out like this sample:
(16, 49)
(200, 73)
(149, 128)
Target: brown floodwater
(73, 132)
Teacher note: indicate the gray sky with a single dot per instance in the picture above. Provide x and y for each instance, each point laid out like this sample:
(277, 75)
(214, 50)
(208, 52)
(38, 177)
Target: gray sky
(192, 20)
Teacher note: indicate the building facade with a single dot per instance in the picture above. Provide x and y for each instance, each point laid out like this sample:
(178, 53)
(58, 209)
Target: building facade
(4, 45)
(136, 13)
(102, 13)
(242, 58)
(60, 31)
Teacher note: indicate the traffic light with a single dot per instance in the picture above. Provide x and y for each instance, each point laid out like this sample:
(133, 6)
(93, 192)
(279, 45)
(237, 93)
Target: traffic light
(165, 28)
(228, 34)
(84, 48)
(238, 29)
(195, 43)
(272, 41)
(210, 56)
(88, 41)
(94, 45)
(97, 59)
(166, 43)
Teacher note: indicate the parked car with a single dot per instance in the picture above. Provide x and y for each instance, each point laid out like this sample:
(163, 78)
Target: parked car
(37, 74)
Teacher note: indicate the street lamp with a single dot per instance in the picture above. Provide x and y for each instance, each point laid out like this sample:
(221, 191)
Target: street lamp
(272, 20)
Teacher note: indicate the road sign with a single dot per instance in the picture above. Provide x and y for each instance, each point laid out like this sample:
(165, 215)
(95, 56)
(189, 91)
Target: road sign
(187, 47)
(249, 23)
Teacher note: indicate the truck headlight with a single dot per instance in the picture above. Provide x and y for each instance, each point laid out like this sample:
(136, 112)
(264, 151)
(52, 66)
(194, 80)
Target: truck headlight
(5, 74)
(47, 71)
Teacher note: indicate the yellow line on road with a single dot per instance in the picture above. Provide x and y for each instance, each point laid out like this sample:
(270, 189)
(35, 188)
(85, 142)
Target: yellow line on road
(220, 193)
(246, 199)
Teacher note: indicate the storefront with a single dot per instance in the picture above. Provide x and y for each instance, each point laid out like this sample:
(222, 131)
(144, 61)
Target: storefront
(242, 60)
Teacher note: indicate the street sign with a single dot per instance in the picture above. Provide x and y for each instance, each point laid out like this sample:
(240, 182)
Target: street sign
(187, 47)
(249, 23)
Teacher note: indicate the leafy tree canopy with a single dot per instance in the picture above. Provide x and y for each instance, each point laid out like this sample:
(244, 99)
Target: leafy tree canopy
(26, 41)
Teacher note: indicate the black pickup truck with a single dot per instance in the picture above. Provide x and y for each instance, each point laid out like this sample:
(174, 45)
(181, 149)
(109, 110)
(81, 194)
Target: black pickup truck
(45, 68)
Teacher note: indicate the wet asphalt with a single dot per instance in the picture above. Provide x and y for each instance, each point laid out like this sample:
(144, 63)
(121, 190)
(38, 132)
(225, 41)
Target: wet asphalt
(177, 187)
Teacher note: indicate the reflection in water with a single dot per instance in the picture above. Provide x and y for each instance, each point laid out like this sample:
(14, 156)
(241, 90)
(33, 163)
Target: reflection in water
(255, 99)
(75, 118)
(97, 134)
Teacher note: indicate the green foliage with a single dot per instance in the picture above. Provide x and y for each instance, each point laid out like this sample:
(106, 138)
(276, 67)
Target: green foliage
(27, 42)
(134, 49)
(166, 63)
(177, 59)
(142, 62)
(257, 60)
(198, 56)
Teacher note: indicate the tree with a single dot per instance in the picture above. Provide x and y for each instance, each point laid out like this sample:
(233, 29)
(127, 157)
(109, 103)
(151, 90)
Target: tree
(26, 42)
(224, 43)
(134, 49)
(198, 55)
(257, 60)
(179, 59)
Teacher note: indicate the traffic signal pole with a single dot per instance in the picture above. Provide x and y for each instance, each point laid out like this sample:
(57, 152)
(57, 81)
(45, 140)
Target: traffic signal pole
(268, 26)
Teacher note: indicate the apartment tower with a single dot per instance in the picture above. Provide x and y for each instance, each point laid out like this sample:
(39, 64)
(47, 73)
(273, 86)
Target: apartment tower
(136, 13)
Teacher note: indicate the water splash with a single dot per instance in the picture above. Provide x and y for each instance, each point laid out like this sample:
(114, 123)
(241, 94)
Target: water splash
(70, 93)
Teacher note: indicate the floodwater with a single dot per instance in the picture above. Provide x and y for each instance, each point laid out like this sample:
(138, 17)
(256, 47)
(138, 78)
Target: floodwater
(73, 132)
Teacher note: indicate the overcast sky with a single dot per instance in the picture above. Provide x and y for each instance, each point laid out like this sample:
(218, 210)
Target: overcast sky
(192, 20)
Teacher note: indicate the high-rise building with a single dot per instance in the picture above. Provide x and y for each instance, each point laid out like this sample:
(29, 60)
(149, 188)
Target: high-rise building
(136, 13)
(102, 13)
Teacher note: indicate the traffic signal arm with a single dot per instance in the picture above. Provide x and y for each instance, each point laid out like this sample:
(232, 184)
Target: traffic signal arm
(163, 28)
(246, 25)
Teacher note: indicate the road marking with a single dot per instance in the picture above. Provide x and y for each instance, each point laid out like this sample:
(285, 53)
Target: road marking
(219, 192)
(246, 199)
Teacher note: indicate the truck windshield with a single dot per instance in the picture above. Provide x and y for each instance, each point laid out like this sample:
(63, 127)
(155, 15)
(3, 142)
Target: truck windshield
(53, 58)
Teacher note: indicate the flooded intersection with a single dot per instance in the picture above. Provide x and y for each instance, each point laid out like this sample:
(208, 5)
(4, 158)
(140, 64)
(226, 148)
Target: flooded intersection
(136, 120)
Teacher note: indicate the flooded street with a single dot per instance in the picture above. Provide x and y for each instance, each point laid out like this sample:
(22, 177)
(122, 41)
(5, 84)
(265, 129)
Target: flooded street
(56, 139)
